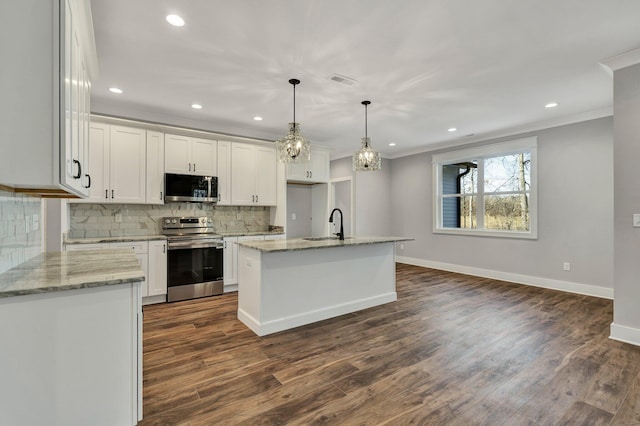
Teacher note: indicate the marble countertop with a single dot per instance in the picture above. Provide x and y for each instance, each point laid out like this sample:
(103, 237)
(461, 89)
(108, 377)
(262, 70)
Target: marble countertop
(70, 270)
(305, 244)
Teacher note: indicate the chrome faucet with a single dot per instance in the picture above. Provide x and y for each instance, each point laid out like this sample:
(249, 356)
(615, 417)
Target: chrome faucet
(341, 233)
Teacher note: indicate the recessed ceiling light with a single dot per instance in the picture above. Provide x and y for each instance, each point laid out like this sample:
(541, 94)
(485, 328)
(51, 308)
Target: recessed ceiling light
(257, 118)
(551, 105)
(452, 129)
(175, 20)
(115, 90)
(392, 144)
(196, 106)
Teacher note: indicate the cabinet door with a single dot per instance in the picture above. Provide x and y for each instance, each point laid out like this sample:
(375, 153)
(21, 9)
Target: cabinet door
(157, 268)
(127, 165)
(99, 135)
(155, 168)
(297, 172)
(266, 175)
(203, 157)
(230, 258)
(319, 166)
(224, 173)
(242, 175)
(177, 157)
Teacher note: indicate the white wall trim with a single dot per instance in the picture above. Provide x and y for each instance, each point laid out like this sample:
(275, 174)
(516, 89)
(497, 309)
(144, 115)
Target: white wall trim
(625, 334)
(297, 320)
(623, 60)
(570, 287)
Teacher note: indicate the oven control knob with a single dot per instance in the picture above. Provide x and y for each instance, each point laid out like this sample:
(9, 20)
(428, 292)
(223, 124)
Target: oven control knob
(209, 220)
(167, 221)
(174, 220)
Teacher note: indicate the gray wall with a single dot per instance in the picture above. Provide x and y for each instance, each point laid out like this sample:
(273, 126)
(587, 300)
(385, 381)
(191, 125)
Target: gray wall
(372, 196)
(627, 196)
(575, 214)
(298, 203)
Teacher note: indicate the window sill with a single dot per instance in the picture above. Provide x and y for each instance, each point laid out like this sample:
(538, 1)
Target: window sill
(488, 233)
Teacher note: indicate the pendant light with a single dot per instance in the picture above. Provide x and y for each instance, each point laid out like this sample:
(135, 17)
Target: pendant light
(294, 148)
(367, 158)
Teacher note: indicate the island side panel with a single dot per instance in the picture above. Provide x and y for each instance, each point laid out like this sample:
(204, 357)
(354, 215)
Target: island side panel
(303, 286)
(249, 288)
(70, 357)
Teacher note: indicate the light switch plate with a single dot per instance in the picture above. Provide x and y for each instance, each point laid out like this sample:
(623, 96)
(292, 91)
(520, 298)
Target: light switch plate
(636, 220)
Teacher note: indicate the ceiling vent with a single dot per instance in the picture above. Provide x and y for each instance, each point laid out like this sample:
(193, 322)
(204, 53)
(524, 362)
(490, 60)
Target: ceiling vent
(348, 81)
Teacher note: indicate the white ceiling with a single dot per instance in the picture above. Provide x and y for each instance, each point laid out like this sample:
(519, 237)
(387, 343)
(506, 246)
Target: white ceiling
(485, 67)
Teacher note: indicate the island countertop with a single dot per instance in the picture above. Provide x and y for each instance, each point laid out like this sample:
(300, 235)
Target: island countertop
(316, 243)
(69, 270)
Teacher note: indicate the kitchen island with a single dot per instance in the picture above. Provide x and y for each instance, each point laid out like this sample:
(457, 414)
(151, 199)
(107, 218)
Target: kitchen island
(284, 284)
(71, 328)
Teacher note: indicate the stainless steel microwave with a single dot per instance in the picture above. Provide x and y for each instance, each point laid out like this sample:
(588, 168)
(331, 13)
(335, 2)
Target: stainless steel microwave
(189, 188)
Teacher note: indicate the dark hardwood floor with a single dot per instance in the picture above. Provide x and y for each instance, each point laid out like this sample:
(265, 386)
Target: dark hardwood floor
(453, 350)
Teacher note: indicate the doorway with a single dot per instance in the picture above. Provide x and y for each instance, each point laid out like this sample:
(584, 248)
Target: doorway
(341, 197)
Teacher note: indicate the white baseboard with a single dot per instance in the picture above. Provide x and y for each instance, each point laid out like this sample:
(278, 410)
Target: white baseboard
(228, 288)
(286, 323)
(149, 300)
(570, 287)
(625, 334)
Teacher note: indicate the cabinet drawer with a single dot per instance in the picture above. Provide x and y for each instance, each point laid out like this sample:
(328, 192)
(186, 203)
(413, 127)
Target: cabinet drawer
(137, 246)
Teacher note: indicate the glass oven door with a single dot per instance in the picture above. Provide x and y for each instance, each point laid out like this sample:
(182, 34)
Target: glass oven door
(192, 265)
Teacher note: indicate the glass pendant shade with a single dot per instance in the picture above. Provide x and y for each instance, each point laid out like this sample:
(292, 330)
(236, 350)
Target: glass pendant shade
(294, 148)
(367, 158)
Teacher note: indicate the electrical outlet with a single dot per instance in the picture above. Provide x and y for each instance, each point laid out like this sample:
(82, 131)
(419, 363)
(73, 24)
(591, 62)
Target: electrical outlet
(118, 217)
(566, 266)
(636, 220)
(293, 216)
(401, 246)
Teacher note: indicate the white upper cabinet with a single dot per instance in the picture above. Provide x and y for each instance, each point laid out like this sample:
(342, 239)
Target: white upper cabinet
(117, 164)
(224, 173)
(314, 171)
(127, 175)
(155, 167)
(51, 59)
(253, 175)
(189, 155)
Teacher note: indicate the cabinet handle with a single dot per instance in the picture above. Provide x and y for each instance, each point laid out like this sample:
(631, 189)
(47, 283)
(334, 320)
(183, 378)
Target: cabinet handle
(112, 194)
(79, 169)
(256, 198)
(310, 174)
(189, 166)
(160, 195)
(88, 181)
(194, 167)
(164, 248)
(253, 198)
(106, 194)
(225, 244)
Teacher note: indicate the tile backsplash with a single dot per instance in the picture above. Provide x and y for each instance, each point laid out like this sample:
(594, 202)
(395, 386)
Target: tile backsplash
(20, 229)
(114, 220)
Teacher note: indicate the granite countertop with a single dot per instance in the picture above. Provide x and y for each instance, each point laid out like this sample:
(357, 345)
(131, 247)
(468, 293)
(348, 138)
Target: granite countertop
(130, 238)
(119, 239)
(70, 270)
(304, 244)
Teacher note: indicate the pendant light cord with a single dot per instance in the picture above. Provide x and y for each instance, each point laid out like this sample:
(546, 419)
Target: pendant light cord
(365, 120)
(294, 103)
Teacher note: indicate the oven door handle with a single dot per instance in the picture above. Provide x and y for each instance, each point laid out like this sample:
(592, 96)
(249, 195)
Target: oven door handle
(193, 245)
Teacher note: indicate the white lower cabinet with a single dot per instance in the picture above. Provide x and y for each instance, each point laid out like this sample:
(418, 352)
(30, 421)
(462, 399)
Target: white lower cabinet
(230, 264)
(157, 278)
(153, 261)
(231, 257)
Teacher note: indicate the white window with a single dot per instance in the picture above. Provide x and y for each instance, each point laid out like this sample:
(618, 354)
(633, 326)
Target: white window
(489, 190)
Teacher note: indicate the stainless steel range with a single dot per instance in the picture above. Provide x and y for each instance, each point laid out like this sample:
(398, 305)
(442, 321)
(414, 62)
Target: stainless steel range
(194, 258)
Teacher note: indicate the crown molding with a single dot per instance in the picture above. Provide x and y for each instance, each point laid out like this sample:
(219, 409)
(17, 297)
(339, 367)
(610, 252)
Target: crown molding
(623, 60)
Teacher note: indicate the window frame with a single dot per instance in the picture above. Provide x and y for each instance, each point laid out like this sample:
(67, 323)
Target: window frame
(516, 146)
